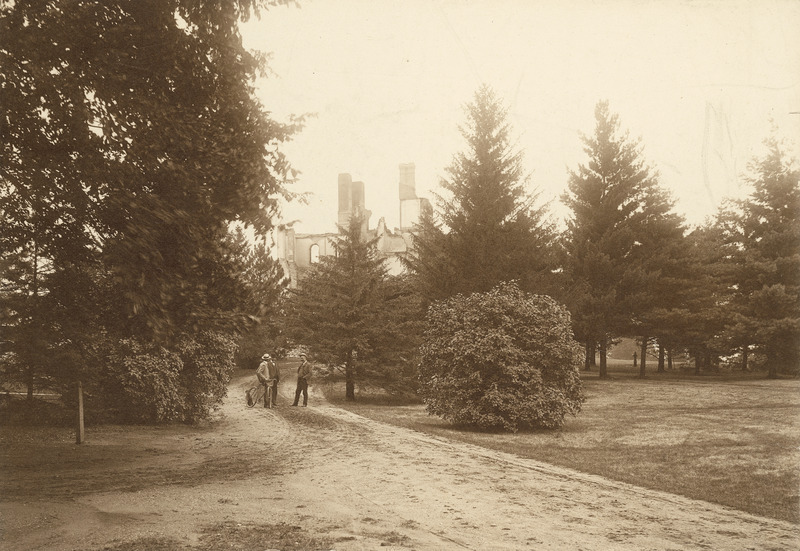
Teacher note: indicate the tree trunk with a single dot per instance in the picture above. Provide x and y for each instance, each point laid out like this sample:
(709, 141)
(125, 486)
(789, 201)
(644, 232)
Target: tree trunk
(349, 378)
(35, 310)
(29, 381)
(772, 362)
(603, 364)
(589, 356)
(661, 355)
(643, 362)
(745, 357)
(773, 372)
(80, 435)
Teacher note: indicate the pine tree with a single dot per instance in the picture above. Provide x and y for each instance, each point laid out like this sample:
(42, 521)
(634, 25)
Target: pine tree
(620, 219)
(349, 311)
(486, 228)
(764, 237)
(661, 257)
(696, 300)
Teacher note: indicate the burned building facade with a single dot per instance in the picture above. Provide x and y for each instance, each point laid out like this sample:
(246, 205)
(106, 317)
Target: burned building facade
(298, 252)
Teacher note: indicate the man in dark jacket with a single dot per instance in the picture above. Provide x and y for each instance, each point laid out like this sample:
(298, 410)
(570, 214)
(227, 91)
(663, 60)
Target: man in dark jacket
(303, 375)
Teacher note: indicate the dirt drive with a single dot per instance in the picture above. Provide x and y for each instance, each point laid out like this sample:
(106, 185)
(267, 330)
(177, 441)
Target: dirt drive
(359, 483)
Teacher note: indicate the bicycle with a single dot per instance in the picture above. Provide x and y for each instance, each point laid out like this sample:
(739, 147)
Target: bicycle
(256, 393)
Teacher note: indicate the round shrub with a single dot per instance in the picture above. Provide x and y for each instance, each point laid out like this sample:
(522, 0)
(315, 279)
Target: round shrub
(504, 359)
(142, 381)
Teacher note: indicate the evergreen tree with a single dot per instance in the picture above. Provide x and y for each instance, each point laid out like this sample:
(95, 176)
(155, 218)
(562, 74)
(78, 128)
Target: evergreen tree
(662, 261)
(486, 228)
(620, 220)
(261, 296)
(697, 297)
(764, 240)
(349, 311)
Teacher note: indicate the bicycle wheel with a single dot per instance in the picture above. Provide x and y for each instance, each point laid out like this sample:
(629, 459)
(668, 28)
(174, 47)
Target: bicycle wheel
(256, 393)
(268, 398)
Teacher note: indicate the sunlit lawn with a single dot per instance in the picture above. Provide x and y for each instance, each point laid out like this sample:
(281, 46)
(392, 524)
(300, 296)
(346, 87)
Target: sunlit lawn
(732, 439)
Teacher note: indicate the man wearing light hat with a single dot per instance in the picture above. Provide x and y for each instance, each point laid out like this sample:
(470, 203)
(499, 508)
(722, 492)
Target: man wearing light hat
(303, 375)
(268, 374)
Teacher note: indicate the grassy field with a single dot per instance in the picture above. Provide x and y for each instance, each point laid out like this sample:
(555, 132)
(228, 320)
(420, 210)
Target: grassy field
(730, 438)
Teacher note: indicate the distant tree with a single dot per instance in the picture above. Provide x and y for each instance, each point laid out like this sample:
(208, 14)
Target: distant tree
(503, 359)
(664, 263)
(697, 293)
(763, 235)
(24, 332)
(348, 311)
(262, 296)
(486, 228)
(620, 221)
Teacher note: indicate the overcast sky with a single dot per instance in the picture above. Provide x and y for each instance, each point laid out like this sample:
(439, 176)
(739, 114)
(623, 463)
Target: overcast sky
(388, 80)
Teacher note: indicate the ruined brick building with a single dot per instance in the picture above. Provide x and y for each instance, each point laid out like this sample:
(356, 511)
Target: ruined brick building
(297, 252)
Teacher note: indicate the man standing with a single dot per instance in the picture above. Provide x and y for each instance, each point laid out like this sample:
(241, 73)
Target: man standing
(303, 375)
(268, 375)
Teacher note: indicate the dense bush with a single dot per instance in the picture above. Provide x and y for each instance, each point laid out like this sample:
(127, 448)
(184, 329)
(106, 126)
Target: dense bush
(144, 382)
(504, 359)
(208, 362)
(141, 382)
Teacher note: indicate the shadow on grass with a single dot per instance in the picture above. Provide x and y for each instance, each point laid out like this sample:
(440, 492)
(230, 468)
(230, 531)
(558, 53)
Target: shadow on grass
(36, 412)
(619, 369)
(368, 396)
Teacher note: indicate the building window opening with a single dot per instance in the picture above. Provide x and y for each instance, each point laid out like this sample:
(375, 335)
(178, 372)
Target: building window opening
(314, 252)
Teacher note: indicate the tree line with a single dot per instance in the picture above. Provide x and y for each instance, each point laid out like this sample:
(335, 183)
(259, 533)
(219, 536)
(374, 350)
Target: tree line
(626, 265)
(132, 142)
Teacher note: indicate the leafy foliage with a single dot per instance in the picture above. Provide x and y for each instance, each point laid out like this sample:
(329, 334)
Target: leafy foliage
(142, 382)
(130, 139)
(208, 362)
(488, 229)
(504, 359)
(147, 383)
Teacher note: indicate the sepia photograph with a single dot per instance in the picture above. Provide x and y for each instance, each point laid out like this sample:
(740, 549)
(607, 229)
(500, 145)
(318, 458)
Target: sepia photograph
(345, 275)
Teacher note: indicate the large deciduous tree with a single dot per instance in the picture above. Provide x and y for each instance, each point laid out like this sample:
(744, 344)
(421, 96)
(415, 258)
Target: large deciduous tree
(486, 228)
(348, 311)
(619, 226)
(131, 128)
(130, 138)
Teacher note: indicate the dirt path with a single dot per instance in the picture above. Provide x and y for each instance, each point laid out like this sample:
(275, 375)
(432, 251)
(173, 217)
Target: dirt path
(363, 484)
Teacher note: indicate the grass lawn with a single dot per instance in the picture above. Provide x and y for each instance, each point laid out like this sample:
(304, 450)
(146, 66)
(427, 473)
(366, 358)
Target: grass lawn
(730, 438)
